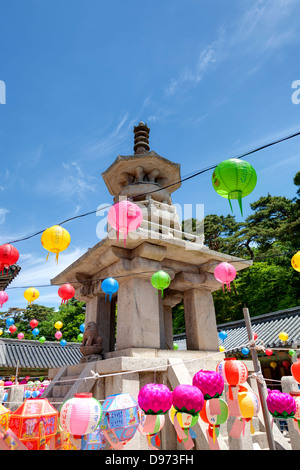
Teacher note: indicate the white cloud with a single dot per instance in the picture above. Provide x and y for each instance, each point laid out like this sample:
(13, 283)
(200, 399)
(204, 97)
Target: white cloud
(3, 213)
(259, 31)
(107, 144)
(37, 271)
(71, 184)
(207, 57)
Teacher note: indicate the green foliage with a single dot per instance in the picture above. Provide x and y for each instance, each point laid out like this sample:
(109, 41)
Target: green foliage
(270, 236)
(71, 315)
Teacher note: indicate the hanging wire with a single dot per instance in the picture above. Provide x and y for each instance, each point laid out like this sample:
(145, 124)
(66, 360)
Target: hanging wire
(182, 180)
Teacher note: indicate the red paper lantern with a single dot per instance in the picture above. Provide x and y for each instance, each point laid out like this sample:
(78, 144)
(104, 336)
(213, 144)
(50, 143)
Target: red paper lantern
(295, 370)
(8, 255)
(33, 324)
(66, 292)
(12, 328)
(34, 423)
(234, 372)
(269, 352)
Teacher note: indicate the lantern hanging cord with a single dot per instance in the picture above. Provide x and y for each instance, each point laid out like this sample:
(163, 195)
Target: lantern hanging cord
(182, 180)
(250, 152)
(96, 375)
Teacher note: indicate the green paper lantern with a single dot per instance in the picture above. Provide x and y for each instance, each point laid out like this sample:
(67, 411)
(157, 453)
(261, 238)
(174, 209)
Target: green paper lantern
(161, 280)
(80, 337)
(175, 346)
(234, 179)
(42, 339)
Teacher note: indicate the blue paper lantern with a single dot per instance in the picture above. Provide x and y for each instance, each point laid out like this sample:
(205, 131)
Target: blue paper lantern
(109, 286)
(82, 327)
(9, 322)
(223, 335)
(120, 419)
(63, 342)
(245, 351)
(35, 331)
(95, 440)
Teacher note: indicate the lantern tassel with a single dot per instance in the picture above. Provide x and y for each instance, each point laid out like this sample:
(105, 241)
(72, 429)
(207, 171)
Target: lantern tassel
(47, 255)
(240, 201)
(244, 426)
(252, 430)
(230, 203)
(56, 258)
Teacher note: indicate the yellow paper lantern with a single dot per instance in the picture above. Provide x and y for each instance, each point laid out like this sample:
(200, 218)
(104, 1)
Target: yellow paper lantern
(295, 261)
(273, 364)
(1, 332)
(58, 325)
(55, 239)
(221, 348)
(31, 294)
(248, 405)
(283, 336)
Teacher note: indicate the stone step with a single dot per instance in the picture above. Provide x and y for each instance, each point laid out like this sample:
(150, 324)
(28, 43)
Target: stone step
(60, 390)
(67, 380)
(56, 402)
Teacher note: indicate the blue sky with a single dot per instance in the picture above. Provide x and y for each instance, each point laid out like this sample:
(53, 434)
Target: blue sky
(211, 79)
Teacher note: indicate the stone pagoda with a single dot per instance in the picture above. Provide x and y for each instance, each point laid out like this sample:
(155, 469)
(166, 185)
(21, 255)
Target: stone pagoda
(135, 327)
(144, 318)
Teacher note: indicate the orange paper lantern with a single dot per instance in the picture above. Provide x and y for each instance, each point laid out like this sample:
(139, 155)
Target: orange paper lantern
(34, 423)
(233, 372)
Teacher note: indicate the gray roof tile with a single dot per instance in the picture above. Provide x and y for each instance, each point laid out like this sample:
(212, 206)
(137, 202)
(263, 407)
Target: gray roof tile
(266, 326)
(32, 354)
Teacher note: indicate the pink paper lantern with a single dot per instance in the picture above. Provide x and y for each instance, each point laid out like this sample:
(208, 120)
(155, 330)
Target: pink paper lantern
(8, 383)
(20, 335)
(80, 415)
(225, 273)
(125, 217)
(58, 335)
(281, 405)
(188, 399)
(155, 399)
(3, 297)
(209, 382)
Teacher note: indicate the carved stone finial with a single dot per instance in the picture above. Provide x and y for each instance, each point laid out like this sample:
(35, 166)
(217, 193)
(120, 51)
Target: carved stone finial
(141, 138)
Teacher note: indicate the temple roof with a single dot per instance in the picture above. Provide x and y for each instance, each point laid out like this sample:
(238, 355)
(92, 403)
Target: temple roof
(267, 327)
(31, 354)
(8, 276)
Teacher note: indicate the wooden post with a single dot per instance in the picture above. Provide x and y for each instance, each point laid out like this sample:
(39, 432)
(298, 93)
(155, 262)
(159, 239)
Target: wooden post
(261, 386)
